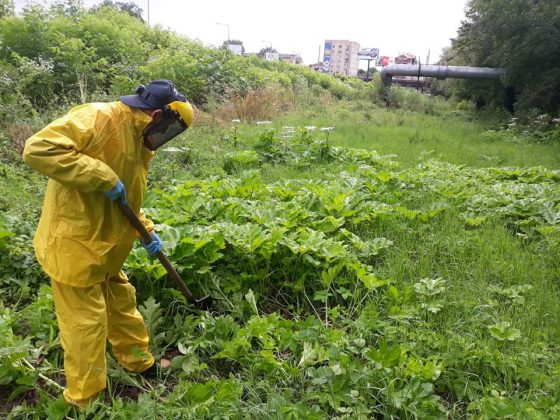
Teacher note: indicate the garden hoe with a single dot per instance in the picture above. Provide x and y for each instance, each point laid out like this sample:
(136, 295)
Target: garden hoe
(201, 303)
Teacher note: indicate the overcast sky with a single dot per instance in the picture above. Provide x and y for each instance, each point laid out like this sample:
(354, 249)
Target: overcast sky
(301, 26)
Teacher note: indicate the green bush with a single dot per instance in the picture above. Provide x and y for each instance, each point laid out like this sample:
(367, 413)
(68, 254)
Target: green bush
(69, 54)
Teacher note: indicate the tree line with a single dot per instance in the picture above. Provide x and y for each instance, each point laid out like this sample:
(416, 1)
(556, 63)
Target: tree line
(521, 36)
(58, 55)
(67, 53)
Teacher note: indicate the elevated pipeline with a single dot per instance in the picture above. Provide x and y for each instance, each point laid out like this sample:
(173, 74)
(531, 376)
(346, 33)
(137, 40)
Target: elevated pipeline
(440, 72)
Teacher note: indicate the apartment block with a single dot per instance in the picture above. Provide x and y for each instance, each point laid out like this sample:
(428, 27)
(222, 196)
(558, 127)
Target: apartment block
(341, 57)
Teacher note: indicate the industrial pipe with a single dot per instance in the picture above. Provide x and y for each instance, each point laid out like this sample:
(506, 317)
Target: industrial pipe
(441, 72)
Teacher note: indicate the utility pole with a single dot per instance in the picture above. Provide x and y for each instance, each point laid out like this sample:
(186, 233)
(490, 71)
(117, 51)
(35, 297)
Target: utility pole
(148, 12)
(225, 24)
(319, 55)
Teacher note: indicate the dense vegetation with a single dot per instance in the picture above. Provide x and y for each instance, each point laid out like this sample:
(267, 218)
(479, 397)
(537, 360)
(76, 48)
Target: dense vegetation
(365, 262)
(519, 36)
(69, 54)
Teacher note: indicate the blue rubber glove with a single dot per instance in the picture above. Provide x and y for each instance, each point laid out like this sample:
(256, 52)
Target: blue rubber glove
(152, 247)
(117, 192)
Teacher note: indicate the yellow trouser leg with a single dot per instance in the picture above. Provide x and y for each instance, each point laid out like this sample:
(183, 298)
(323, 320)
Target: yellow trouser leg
(126, 330)
(82, 320)
(86, 318)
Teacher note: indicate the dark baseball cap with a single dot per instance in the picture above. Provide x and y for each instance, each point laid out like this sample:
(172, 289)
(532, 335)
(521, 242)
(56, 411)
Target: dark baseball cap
(154, 96)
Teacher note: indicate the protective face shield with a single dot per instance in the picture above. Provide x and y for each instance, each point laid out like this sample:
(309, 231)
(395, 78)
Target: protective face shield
(176, 118)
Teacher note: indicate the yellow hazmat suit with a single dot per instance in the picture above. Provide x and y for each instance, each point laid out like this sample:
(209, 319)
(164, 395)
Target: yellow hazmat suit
(82, 239)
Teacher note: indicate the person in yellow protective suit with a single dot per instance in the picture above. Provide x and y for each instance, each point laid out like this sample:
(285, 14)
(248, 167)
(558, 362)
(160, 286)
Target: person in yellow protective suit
(97, 153)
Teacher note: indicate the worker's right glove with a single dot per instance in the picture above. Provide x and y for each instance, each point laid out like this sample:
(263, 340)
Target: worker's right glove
(117, 192)
(152, 247)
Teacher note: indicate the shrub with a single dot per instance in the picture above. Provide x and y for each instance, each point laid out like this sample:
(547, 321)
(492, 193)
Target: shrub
(262, 104)
(18, 134)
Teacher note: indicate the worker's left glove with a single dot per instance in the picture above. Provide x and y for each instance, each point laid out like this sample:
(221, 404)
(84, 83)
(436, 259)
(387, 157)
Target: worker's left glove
(118, 192)
(152, 247)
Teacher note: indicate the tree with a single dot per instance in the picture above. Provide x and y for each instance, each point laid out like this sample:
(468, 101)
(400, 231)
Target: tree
(25, 35)
(368, 75)
(69, 8)
(520, 36)
(262, 53)
(127, 7)
(6, 8)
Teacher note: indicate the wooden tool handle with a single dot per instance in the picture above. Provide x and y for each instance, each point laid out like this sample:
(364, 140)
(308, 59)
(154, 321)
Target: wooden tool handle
(147, 238)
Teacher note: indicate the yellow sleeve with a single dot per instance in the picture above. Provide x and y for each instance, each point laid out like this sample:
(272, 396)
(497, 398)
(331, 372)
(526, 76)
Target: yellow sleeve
(57, 151)
(148, 224)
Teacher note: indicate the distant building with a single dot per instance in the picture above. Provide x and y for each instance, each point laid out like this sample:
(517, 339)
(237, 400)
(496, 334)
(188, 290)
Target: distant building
(406, 58)
(291, 58)
(235, 48)
(316, 66)
(410, 81)
(271, 56)
(341, 57)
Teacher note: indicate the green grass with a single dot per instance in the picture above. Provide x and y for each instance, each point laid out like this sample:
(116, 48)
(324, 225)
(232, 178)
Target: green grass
(472, 260)
(412, 135)
(277, 349)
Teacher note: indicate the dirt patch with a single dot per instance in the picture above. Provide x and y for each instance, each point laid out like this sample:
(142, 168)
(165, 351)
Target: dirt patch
(126, 392)
(30, 397)
(170, 354)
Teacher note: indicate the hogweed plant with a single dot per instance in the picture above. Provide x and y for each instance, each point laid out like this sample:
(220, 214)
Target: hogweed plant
(363, 289)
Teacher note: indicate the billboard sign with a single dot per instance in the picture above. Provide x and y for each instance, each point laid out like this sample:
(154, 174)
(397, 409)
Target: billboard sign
(327, 56)
(368, 53)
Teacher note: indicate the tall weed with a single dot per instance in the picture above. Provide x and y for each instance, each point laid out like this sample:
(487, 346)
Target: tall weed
(259, 104)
